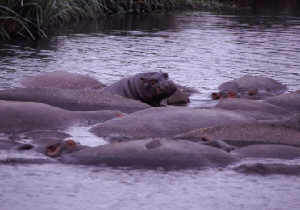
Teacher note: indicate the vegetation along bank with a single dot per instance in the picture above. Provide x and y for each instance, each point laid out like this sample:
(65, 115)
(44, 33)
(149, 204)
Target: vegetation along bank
(34, 18)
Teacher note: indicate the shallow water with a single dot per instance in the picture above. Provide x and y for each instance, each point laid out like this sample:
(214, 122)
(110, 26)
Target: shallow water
(197, 49)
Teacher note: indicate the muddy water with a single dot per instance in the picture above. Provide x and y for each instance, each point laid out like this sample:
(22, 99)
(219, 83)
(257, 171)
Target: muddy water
(198, 49)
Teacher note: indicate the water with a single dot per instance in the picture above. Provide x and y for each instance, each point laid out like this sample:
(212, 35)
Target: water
(197, 49)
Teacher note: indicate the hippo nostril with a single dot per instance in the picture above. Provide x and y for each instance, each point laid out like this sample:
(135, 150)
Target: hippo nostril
(252, 92)
(215, 96)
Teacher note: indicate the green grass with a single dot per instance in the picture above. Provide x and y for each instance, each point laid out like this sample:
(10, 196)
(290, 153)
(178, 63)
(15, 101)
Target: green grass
(33, 18)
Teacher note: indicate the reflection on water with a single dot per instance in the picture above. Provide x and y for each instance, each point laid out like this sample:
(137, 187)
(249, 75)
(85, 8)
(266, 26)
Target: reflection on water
(198, 49)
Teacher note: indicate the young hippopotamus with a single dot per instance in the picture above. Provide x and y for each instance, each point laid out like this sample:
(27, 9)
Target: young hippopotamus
(251, 87)
(150, 88)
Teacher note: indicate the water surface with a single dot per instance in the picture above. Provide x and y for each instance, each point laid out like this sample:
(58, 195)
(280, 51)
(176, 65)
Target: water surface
(197, 49)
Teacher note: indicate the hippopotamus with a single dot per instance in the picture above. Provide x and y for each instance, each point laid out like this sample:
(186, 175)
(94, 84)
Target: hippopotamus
(259, 110)
(288, 101)
(245, 134)
(252, 87)
(164, 122)
(62, 79)
(268, 168)
(268, 151)
(151, 153)
(180, 97)
(19, 117)
(150, 87)
(74, 100)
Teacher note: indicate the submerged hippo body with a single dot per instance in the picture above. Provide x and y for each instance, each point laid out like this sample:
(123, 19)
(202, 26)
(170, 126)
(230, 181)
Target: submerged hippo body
(288, 101)
(26, 116)
(150, 88)
(152, 153)
(268, 151)
(257, 109)
(268, 169)
(165, 121)
(74, 100)
(61, 79)
(252, 87)
(241, 135)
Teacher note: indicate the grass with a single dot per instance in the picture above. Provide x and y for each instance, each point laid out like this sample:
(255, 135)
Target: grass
(33, 18)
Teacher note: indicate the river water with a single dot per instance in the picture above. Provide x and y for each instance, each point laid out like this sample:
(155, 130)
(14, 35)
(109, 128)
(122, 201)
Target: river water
(197, 49)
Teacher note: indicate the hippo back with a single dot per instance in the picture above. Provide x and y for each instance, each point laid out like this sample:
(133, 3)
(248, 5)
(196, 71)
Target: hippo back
(62, 79)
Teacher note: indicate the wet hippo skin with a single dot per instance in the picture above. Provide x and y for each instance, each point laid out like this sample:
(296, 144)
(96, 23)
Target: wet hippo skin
(268, 169)
(246, 134)
(151, 153)
(74, 100)
(259, 110)
(268, 151)
(165, 121)
(27, 116)
(288, 101)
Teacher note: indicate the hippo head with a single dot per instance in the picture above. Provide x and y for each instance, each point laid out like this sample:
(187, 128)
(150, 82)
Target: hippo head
(157, 87)
(227, 94)
(227, 90)
(57, 149)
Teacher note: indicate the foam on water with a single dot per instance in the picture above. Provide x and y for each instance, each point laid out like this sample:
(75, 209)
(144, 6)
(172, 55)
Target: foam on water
(83, 136)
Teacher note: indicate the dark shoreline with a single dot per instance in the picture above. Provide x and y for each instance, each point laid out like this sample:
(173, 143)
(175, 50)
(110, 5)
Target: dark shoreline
(36, 19)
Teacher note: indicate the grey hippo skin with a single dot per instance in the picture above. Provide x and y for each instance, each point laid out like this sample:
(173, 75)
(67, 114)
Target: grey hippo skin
(268, 151)
(150, 88)
(26, 116)
(268, 169)
(74, 100)
(288, 101)
(152, 153)
(164, 122)
(61, 79)
(241, 135)
(180, 97)
(252, 87)
(259, 110)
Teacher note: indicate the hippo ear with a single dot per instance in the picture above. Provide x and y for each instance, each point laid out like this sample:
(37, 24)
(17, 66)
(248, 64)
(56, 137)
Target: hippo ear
(166, 75)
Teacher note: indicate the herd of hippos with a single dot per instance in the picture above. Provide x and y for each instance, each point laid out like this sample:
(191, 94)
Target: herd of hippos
(144, 119)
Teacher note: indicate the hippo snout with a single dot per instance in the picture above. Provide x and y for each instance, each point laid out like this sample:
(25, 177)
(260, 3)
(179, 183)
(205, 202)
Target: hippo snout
(167, 88)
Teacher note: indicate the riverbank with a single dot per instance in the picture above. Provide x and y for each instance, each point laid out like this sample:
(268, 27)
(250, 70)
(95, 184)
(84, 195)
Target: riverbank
(33, 19)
